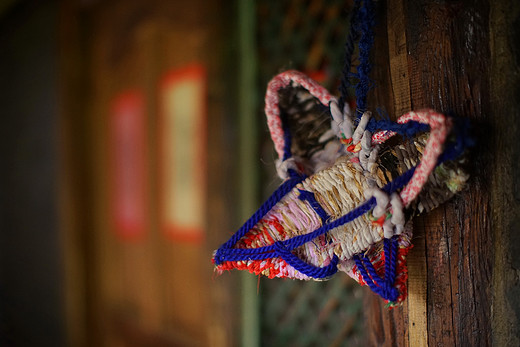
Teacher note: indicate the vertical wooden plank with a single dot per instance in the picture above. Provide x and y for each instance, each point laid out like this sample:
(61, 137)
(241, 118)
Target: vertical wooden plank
(505, 115)
(398, 59)
(417, 291)
(387, 327)
(448, 44)
(447, 56)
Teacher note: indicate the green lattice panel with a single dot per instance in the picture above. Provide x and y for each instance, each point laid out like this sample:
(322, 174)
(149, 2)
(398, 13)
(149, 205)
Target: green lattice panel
(312, 313)
(307, 36)
(304, 35)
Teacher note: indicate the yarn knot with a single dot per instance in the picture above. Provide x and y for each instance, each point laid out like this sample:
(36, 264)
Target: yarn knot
(218, 257)
(389, 292)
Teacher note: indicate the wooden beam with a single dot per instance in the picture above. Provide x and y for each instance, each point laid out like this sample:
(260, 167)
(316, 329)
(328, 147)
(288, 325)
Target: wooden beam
(400, 79)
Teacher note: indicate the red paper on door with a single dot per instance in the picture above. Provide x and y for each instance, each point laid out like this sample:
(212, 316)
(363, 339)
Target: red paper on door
(128, 165)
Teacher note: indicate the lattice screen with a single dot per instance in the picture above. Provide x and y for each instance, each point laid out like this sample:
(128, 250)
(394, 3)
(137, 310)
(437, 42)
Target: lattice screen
(307, 36)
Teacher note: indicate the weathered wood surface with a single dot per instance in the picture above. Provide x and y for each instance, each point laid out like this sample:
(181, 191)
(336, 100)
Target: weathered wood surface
(505, 113)
(448, 68)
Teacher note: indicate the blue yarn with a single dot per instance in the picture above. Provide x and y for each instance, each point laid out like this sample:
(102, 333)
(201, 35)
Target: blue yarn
(287, 139)
(366, 22)
(384, 287)
(463, 140)
(390, 259)
(361, 267)
(407, 130)
(278, 194)
(361, 26)
(303, 267)
(226, 253)
(309, 197)
(349, 50)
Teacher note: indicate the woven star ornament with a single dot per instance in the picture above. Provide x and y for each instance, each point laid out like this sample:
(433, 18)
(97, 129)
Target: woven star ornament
(352, 185)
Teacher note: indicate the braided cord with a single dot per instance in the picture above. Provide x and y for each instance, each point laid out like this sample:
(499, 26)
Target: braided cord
(353, 36)
(361, 27)
(278, 194)
(383, 286)
(367, 22)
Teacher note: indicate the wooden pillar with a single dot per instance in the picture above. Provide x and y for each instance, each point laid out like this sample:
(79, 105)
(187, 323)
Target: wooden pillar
(457, 57)
(504, 79)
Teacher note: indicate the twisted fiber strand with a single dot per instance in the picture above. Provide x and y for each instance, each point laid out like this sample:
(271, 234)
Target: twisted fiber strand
(352, 37)
(377, 259)
(386, 133)
(388, 259)
(384, 285)
(439, 126)
(439, 129)
(361, 267)
(407, 129)
(287, 140)
(436, 121)
(311, 199)
(339, 190)
(401, 276)
(390, 272)
(303, 267)
(366, 22)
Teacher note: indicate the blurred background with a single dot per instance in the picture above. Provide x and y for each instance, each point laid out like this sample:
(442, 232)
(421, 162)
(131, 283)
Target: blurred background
(133, 144)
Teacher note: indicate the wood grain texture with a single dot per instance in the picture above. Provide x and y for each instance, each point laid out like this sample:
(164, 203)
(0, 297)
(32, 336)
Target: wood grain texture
(447, 59)
(386, 327)
(417, 291)
(417, 269)
(505, 115)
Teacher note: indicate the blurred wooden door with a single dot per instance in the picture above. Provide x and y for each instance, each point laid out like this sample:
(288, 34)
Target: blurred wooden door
(145, 282)
(152, 286)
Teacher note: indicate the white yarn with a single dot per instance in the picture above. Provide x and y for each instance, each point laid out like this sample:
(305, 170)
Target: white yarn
(283, 166)
(384, 203)
(360, 129)
(341, 121)
(397, 212)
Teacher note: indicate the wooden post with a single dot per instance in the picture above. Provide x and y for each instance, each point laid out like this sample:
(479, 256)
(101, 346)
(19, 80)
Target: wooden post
(505, 112)
(458, 58)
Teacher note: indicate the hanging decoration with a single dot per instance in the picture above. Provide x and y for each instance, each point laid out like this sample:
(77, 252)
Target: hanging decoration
(352, 183)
